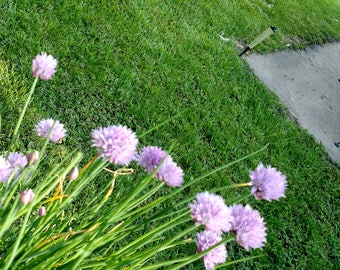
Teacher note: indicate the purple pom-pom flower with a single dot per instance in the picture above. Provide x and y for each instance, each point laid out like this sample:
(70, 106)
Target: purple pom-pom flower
(151, 156)
(267, 183)
(44, 127)
(18, 161)
(218, 255)
(210, 210)
(249, 227)
(117, 143)
(44, 66)
(5, 169)
(171, 173)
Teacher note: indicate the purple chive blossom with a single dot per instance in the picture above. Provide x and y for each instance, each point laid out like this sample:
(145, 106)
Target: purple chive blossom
(18, 161)
(27, 196)
(44, 66)
(5, 169)
(118, 143)
(169, 172)
(248, 226)
(210, 210)
(44, 127)
(218, 255)
(267, 183)
(150, 157)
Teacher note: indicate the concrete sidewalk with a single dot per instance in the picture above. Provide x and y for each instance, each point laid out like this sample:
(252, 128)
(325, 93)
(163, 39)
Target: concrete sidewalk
(308, 83)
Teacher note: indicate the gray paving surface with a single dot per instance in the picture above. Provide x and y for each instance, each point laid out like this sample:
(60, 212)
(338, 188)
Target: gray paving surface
(308, 83)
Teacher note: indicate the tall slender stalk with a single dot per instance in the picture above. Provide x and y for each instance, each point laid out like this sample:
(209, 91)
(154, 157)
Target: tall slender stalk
(23, 111)
(13, 251)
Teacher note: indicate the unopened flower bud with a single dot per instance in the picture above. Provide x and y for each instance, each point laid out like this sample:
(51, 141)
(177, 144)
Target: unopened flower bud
(42, 211)
(27, 196)
(74, 173)
(33, 157)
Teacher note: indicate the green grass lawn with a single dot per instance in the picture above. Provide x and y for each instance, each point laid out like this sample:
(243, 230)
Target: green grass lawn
(139, 63)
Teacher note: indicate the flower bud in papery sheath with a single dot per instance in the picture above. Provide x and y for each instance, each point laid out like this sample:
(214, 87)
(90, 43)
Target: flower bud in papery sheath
(117, 143)
(5, 169)
(33, 157)
(18, 161)
(44, 66)
(27, 196)
(248, 226)
(74, 173)
(42, 211)
(267, 183)
(218, 255)
(44, 126)
(211, 211)
(151, 156)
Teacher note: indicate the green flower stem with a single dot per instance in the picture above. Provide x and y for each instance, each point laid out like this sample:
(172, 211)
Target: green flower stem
(159, 216)
(187, 200)
(94, 210)
(148, 237)
(77, 185)
(11, 147)
(220, 168)
(191, 198)
(51, 181)
(130, 217)
(86, 175)
(161, 124)
(10, 189)
(181, 242)
(110, 187)
(138, 189)
(56, 206)
(144, 209)
(230, 186)
(80, 256)
(34, 170)
(240, 199)
(54, 255)
(139, 201)
(238, 261)
(121, 208)
(58, 173)
(145, 255)
(138, 226)
(95, 265)
(8, 220)
(14, 250)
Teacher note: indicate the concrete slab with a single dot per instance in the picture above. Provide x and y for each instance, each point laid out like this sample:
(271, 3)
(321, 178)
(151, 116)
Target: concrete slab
(308, 83)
